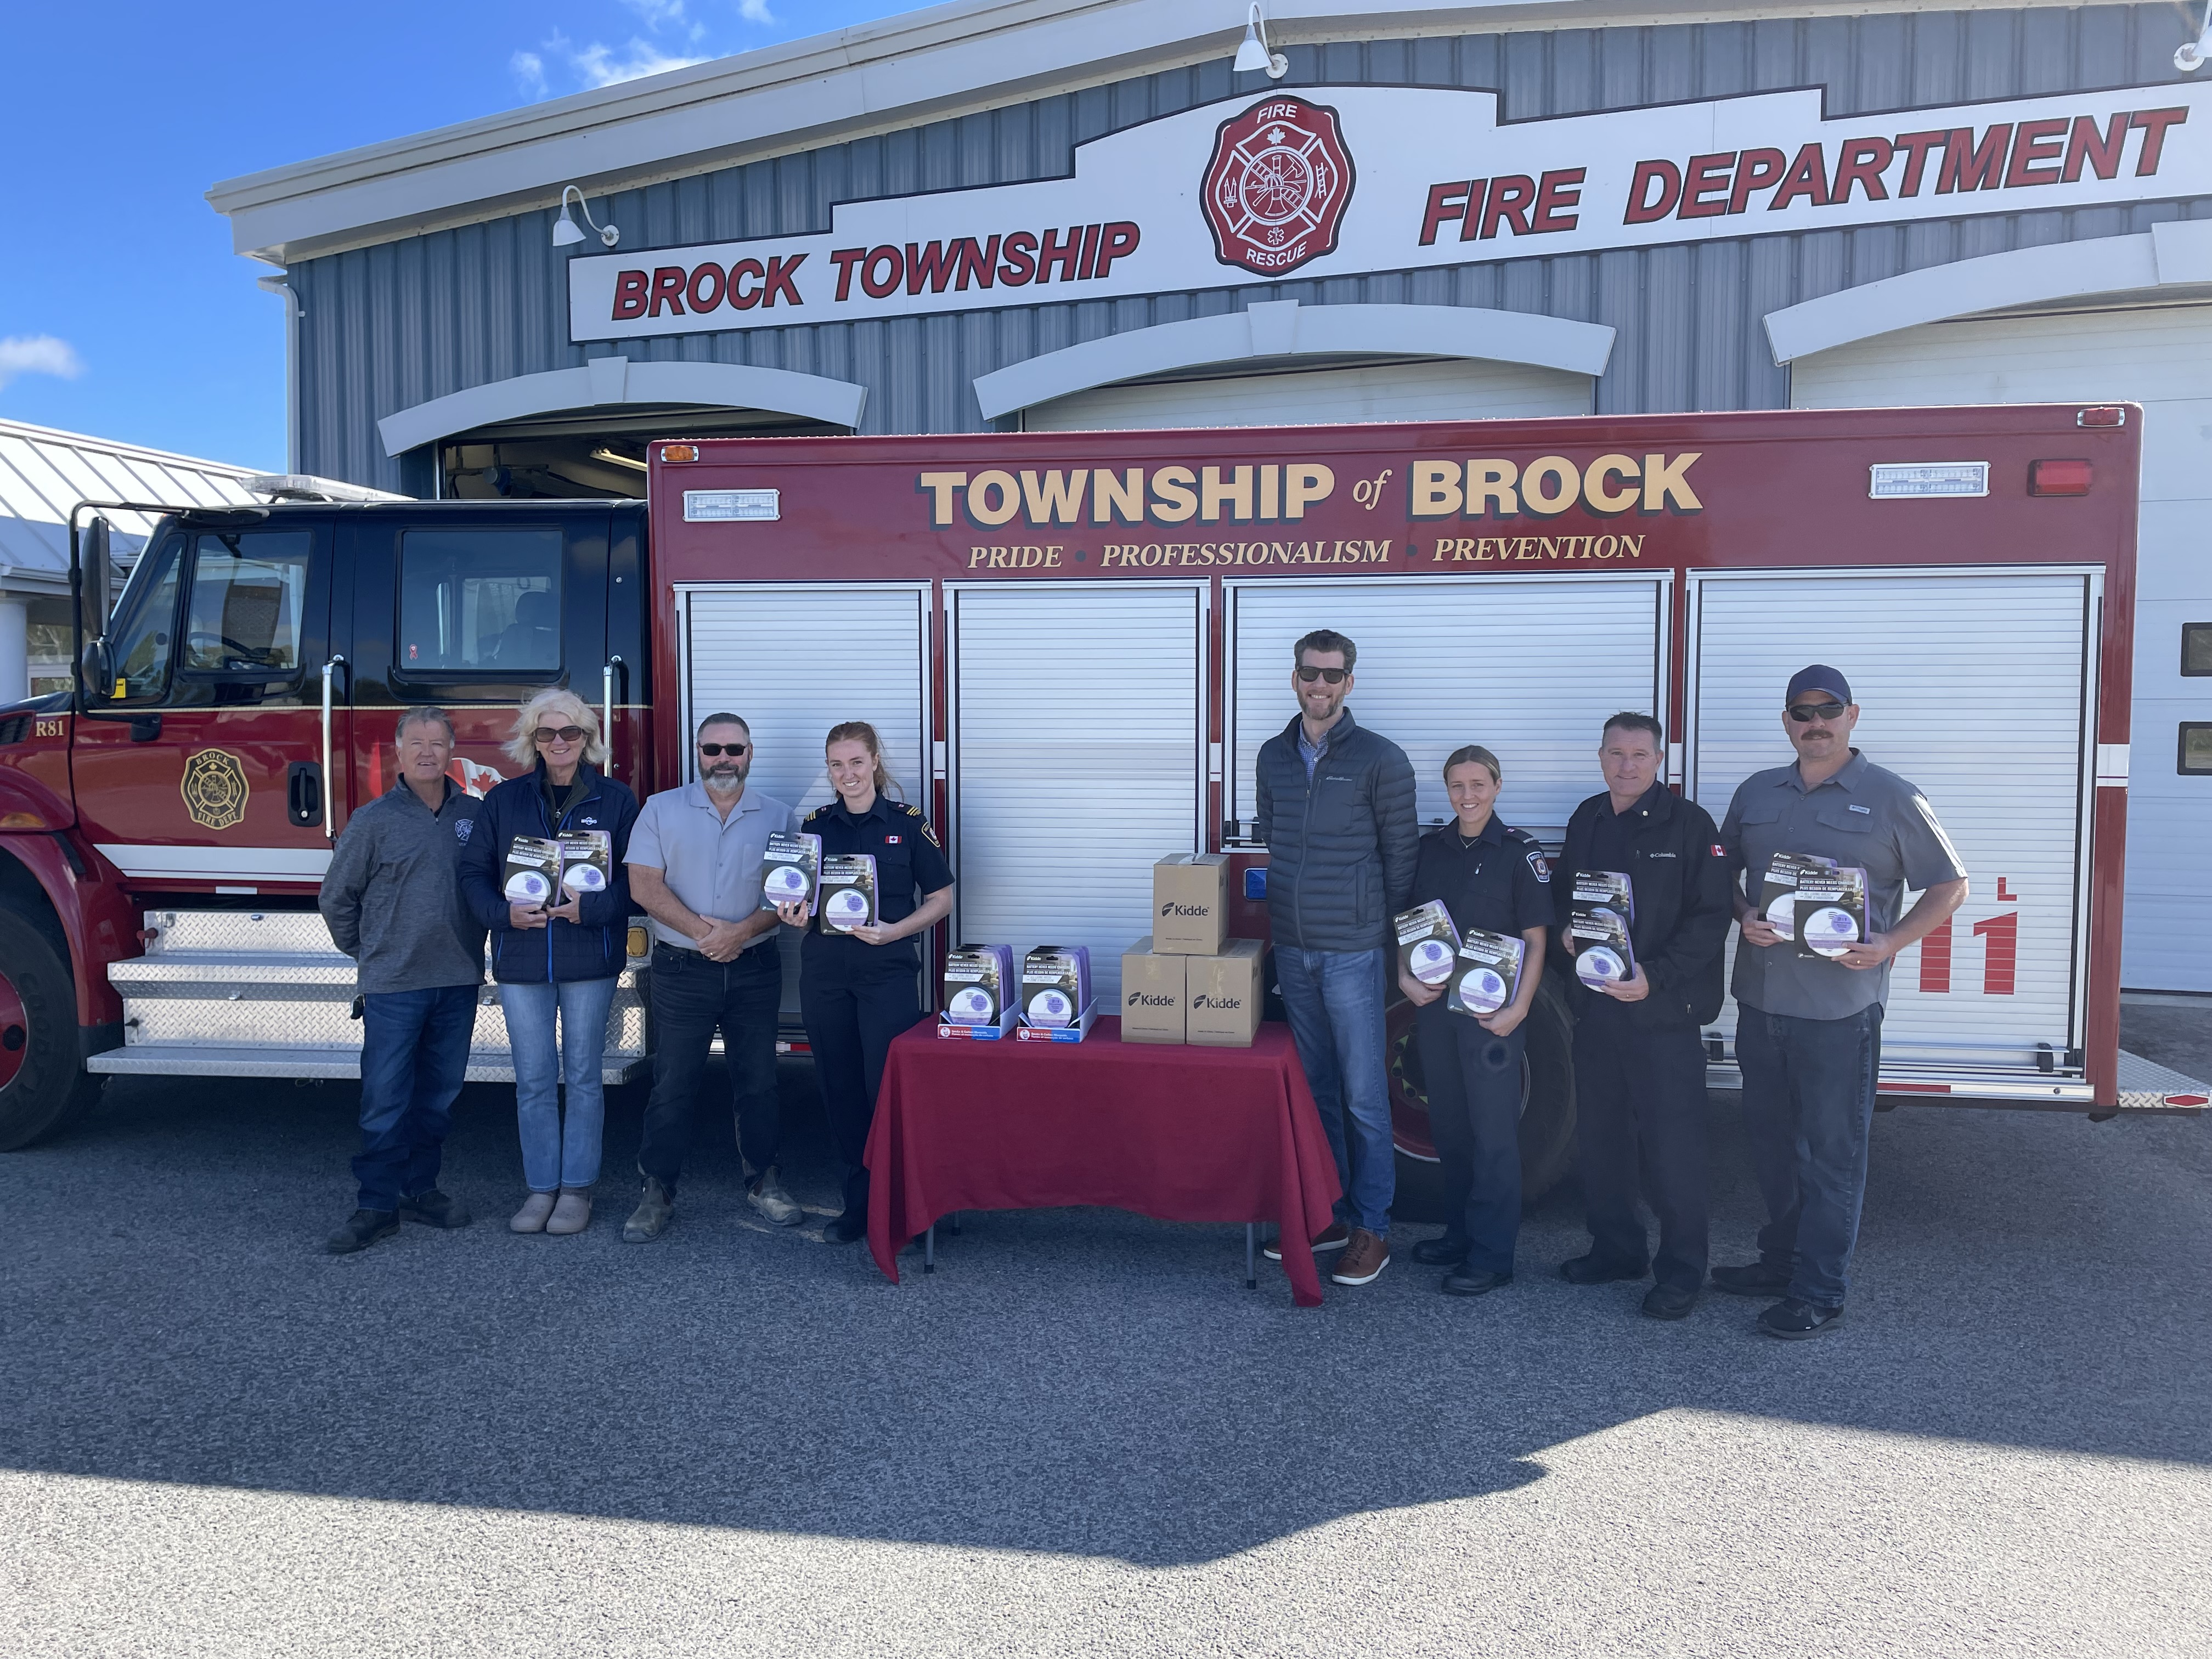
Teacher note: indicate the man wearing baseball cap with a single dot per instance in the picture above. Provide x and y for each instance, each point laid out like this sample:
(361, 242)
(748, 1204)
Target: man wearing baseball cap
(1809, 1028)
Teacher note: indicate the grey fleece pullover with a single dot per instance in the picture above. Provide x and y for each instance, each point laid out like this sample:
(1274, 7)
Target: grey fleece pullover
(392, 897)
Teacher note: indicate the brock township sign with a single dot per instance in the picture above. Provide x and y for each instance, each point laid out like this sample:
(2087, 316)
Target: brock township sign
(1350, 180)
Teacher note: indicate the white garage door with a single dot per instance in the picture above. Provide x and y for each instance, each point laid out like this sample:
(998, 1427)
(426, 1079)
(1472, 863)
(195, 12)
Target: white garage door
(1426, 391)
(1528, 668)
(1076, 759)
(794, 660)
(1976, 688)
(2161, 357)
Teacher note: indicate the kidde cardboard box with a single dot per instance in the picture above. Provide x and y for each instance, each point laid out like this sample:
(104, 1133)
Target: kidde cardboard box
(1154, 994)
(1190, 903)
(1223, 995)
(1427, 942)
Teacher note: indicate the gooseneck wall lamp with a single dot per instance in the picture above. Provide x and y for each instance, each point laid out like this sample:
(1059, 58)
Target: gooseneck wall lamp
(565, 233)
(1256, 54)
(2195, 54)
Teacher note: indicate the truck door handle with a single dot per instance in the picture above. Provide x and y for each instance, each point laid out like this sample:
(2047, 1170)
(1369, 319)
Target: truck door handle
(329, 670)
(613, 667)
(303, 793)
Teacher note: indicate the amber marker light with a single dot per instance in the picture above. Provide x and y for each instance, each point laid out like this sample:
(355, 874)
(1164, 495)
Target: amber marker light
(679, 452)
(2059, 478)
(22, 821)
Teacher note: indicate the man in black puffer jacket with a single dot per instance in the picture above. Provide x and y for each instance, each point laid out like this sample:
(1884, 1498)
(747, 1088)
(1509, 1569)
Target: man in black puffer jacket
(1336, 808)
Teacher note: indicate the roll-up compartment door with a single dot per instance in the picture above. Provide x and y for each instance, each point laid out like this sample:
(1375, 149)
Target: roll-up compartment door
(1975, 688)
(1528, 668)
(1076, 757)
(794, 660)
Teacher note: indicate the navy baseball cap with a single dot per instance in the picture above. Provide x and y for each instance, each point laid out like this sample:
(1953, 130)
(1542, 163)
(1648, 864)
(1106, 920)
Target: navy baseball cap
(1818, 677)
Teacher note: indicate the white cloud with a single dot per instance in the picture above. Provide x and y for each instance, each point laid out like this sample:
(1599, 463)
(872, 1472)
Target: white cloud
(657, 12)
(38, 354)
(755, 12)
(529, 73)
(602, 66)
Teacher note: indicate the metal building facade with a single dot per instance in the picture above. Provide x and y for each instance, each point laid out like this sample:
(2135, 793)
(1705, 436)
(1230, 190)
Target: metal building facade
(386, 327)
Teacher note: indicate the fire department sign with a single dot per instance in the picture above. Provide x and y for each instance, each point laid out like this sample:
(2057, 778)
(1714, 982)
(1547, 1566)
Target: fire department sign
(215, 789)
(1277, 186)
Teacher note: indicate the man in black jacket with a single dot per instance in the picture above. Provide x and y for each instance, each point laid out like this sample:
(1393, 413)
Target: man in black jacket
(1639, 1061)
(1336, 808)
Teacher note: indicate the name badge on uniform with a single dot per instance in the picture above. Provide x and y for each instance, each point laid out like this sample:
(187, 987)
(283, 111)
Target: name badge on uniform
(1856, 807)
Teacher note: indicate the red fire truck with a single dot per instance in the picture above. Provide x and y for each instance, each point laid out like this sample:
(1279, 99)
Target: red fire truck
(1074, 645)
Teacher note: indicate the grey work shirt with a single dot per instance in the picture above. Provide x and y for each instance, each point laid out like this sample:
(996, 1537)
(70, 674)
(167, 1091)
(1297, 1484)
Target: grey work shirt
(1863, 816)
(711, 863)
(393, 895)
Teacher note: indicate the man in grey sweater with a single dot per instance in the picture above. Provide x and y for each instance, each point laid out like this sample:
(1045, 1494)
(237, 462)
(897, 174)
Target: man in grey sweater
(393, 899)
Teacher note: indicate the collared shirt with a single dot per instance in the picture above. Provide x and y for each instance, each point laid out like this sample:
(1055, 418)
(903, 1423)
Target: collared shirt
(1311, 752)
(1502, 884)
(1863, 816)
(711, 863)
(392, 894)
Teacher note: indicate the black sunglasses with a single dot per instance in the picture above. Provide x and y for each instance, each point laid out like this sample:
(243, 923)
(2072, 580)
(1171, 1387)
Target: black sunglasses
(545, 734)
(724, 748)
(1333, 676)
(1806, 712)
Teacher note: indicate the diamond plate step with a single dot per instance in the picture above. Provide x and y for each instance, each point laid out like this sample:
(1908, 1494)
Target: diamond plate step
(2146, 1084)
(189, 1060)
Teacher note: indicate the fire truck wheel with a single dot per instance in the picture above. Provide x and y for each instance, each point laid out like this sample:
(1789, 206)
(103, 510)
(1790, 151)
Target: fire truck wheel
(42, 1084)
(1547, 1109)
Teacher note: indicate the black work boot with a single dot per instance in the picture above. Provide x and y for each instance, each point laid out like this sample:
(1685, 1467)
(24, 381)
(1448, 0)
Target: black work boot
(1753, 1279)
(652, 1214)
(362, 1228)
(435, 1209)
(1595, 1269)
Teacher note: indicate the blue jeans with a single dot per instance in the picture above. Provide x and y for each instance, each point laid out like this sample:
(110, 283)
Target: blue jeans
(1808, 1088)
(414, 1054)
(1334, 1002)
(553, 1153)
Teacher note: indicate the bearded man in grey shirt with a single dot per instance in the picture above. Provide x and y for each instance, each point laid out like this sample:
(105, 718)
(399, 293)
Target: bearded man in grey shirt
(1809, 1029)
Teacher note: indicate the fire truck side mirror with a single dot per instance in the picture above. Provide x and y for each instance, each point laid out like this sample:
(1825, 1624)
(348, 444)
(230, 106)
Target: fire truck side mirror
(95, 560)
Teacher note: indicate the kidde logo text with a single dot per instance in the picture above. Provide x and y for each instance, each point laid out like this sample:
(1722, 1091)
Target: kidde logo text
(1203, 1000)
(1172, 908)
(1148, 999)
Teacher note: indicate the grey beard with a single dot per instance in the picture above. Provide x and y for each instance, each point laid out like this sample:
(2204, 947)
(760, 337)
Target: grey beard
(721, 783)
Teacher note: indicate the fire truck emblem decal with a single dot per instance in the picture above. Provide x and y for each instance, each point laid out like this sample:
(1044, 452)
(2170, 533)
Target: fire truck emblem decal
(215, 789)
(1278, 185)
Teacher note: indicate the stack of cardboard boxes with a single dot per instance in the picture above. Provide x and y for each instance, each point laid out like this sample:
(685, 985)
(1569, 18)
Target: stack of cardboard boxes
(1186, 981)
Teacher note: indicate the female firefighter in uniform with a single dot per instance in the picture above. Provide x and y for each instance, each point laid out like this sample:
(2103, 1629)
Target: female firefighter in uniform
(1496, 879)
(857, 988)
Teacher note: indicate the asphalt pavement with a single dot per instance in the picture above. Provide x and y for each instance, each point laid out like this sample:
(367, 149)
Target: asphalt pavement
(1082, 1434)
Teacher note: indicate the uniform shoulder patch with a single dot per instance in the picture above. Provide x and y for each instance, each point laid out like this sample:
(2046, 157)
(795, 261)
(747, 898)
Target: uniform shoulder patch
(928, 834)
(1540, 863)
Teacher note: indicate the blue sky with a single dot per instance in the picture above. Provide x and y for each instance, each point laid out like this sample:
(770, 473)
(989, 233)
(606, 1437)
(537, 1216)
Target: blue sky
(122, 312)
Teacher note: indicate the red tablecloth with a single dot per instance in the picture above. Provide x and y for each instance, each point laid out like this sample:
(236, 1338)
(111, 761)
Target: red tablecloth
(1179, 1134)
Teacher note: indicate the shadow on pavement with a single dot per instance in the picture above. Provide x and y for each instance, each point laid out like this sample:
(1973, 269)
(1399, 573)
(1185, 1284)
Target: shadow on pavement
(1073, 1381)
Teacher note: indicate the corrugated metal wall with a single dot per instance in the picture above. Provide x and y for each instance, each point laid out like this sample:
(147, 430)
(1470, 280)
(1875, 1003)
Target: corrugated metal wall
(388, 327)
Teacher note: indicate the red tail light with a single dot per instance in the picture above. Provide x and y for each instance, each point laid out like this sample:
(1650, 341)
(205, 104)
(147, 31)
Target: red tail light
(2059, 478)
(2102, 414)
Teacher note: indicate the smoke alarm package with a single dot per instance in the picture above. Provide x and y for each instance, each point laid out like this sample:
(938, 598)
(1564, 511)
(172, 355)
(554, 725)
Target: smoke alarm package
(1427, 942)
(587, 862)
(979, 986)
(1777, 889)
(848, 890)
(1603, 951)
(1603, 890)
(790, 869)
(533, 870)
(1055, 985)
(1486, 974)
(1831, 908)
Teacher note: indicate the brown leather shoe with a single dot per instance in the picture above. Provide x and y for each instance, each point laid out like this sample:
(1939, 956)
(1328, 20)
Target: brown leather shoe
(1335, 1236)
(1364, 1259)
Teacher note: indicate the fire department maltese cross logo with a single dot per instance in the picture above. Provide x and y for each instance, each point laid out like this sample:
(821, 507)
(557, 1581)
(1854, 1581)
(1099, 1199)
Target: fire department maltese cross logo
(215, 789)
(1277, 186)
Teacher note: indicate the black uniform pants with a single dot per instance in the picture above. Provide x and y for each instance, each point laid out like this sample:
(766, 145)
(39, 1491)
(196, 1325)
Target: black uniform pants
(849, 1025)
(691, 996)
(1640, 1127)
(1473, 1082)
